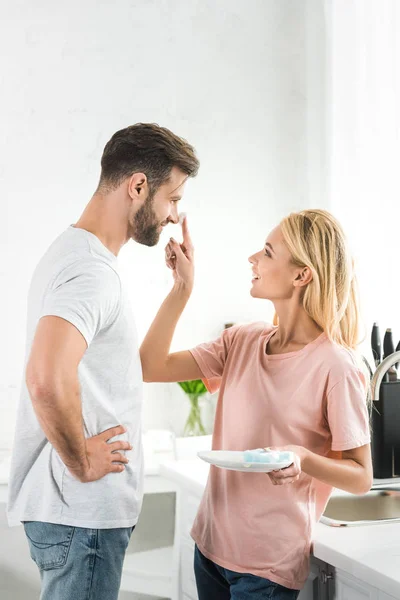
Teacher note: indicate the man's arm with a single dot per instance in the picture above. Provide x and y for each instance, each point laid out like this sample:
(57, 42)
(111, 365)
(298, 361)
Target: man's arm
(53, 385)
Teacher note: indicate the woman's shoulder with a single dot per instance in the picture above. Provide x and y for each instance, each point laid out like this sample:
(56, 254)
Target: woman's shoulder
(340, 361)
(245, 335)
(254, 329)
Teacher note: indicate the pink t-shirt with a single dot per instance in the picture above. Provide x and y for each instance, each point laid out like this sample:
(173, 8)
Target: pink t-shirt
(315, 398)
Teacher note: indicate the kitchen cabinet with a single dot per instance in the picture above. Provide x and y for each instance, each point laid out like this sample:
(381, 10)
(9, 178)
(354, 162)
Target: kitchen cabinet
(187, 505)
(327, 583)
(318, 584)
(350, 588)
(347, 587)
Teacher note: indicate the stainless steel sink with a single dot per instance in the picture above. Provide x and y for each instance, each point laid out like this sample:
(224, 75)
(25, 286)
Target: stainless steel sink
(379, 505)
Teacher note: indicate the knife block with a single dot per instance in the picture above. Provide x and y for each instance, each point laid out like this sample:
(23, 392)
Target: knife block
(385, 422)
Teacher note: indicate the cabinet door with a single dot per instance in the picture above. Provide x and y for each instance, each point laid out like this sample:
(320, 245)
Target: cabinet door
(316, 586)
(188, 581)
(350, 588)
(310, 590)
(187, 507)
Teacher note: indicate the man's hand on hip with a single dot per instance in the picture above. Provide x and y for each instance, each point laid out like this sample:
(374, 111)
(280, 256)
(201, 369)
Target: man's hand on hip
(103, 457)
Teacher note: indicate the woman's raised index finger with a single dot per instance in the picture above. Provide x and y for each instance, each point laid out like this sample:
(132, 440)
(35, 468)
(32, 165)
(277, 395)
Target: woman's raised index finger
(187, 241)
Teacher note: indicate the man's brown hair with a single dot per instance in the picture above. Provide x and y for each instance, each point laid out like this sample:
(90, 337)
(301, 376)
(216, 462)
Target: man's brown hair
(145, 148)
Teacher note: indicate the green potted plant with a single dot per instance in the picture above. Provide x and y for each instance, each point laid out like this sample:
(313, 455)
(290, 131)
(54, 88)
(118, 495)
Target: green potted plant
(194, 389)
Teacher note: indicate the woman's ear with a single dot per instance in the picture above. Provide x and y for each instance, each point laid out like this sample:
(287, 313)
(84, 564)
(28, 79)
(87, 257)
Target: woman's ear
(304, 277)
(138, 186)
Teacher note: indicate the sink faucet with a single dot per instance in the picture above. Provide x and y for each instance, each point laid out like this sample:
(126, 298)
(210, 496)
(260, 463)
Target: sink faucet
(380, 372)
(385, 421)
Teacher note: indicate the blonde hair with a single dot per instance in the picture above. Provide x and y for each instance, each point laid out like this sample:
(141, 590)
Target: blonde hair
(316, 240)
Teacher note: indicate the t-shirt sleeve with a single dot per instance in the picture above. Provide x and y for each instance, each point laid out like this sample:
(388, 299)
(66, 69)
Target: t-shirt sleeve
(86, 295)
(347, 412)
(211, 357)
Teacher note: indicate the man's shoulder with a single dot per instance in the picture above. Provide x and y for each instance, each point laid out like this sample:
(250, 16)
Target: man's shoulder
(87, 268)
(66, 263)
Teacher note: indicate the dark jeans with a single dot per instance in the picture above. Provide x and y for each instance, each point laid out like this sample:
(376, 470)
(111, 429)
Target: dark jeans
(77, 563)
(216, 583)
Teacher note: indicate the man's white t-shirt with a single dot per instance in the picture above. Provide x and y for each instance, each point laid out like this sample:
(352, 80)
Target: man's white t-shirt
(77, 280)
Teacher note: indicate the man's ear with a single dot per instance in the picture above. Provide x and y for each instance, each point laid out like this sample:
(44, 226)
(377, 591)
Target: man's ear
(303, 277)
(138, 186)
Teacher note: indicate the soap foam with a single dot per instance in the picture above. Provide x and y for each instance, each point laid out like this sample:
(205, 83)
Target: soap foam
(259, 455)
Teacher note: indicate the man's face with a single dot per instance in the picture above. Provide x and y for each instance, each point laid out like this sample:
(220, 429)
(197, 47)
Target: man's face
(158, 210)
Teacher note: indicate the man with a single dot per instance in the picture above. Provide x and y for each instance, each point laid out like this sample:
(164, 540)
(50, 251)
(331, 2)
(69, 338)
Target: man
(77, 466)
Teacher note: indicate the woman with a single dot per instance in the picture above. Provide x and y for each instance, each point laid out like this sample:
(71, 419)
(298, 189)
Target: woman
(292, 386)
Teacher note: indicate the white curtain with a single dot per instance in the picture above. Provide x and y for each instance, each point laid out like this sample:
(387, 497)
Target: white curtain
(363, 143)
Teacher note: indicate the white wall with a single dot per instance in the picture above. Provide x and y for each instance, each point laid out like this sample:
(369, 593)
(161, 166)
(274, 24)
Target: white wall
(363, 117)
(230, 76)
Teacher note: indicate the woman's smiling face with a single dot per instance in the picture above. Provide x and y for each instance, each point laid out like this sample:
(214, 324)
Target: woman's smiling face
(273, 269)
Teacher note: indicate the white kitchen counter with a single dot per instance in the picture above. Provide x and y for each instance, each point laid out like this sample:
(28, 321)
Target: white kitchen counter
(369, 553)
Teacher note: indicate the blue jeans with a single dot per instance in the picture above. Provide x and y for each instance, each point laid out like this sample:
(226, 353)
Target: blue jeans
(77, 563)
(216, 583)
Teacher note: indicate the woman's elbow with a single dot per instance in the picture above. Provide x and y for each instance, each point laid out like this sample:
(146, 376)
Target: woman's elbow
(153, 371)
(148, 374)
(365, 484)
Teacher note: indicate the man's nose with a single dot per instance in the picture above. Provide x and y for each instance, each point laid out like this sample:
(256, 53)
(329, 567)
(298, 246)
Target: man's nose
(174, 217)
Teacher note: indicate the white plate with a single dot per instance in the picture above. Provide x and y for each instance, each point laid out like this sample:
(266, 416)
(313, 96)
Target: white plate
(234, 461)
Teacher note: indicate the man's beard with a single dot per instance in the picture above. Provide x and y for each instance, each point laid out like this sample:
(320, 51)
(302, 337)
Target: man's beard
(145, 228)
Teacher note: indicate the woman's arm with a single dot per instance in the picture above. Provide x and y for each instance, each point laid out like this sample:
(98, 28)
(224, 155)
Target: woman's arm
(352, 473)
(157, 363)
